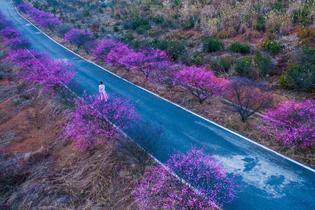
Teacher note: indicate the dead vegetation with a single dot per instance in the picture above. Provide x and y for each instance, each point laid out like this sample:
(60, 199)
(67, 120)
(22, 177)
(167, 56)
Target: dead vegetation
(39, 167)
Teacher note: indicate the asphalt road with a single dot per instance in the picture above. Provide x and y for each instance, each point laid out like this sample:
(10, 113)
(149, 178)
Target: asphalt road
(268, 180)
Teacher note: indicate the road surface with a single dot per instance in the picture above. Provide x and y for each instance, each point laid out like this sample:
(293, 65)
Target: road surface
(268, 180)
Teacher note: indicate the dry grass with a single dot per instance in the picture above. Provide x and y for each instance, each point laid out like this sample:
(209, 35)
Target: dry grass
(39, 167)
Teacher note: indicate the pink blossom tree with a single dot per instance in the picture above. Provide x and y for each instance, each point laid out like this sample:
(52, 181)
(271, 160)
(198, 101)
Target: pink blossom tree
(103, 47)
(291, 123)
(115, 55)
(210, 185)
(78, 37)
(142, 60)
(9, 33)
(163, 72)
(38, 68)
(16, 43)
(21, 57)
(42, 18)
(48, 73)
(247, 97)
(95, 121)
(201, 82)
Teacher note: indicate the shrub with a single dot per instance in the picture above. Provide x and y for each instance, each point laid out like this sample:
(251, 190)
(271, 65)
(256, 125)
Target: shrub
(301, 75)
(222, 64)
(306, 35)
(263, 63)
(197, 58)
(174, 48)
(137, 23)
(212, 44)
(291, 123)
(261, 23)
(240, 48)
(272, 46)
(243, 66)
(190, 23)
(158, 19)
(278, 6)
(301, 16)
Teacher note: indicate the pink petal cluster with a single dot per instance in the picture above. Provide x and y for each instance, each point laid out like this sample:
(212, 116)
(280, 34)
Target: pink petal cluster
(201, 82)
(210, 186)
(95, 121)
(292, 123)
(43, 19)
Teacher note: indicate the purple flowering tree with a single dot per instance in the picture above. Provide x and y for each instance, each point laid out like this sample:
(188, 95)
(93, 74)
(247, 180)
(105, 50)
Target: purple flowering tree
(247, 97)
(78, 37)
(142, 60)
(116, 54)
(42, 18)
(22, 57)
(291, 123)
(48, 73)
(38, 68)
(9, 33)
(103, 47)
(95, 121)
(17, 43)
(210, 185)
(163, 72)
(201, 82)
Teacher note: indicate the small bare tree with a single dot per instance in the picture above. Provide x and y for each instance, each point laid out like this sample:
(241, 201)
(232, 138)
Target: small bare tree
(247, 97)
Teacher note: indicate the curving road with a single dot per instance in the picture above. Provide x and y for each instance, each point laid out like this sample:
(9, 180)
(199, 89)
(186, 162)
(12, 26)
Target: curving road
(268, 180)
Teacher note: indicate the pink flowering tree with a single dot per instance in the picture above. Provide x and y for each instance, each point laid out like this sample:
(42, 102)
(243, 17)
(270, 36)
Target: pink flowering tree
(9, 33)
(103, 47)
(163, 72)
(95, 121)
(16, 43)
(116, 54)
(201, 82)
(38, 68)
(142, 60)
(42, 18)
(48, 73)
(210, 185)
(247, 97)
(78, 37)
(22, 57)
(291, 123)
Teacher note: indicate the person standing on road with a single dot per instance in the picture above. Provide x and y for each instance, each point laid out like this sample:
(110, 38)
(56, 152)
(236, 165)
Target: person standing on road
(103, 94)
